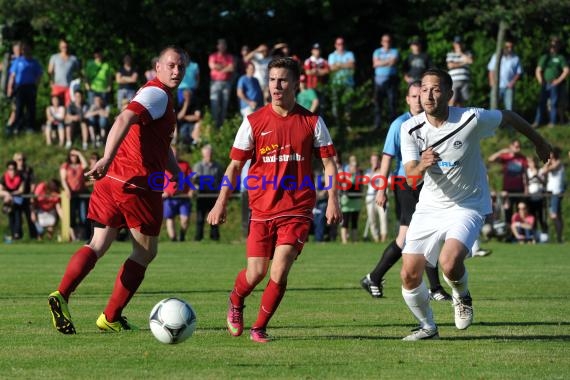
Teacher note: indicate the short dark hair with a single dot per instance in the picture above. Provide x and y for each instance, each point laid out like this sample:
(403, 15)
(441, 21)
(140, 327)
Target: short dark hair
(443, 76)
(286, 63)
(177, 50)
(416, 83)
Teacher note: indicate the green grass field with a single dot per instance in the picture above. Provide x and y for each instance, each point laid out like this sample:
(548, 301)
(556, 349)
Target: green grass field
(326, 326)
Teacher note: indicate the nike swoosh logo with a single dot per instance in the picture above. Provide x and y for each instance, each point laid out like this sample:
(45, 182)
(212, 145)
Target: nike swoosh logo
(265, 133)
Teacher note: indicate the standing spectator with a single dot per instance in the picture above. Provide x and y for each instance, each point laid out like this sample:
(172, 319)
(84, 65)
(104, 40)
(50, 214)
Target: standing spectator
(510, 72)
(241, 61)
(307, 97)
(386, 82)
(281, 219)
(25, 76)
(150, 74)
(417, 61)
(515, 179)
(377, 216)
(556, 186)
(249, 91)
(11, 190)
(536, 182)
(98, 117)
(71, 173)
(62, 68)
(127, 78)
(16, 52)
(316, 68)
(55, 120)
(551, 73)
(189, 117)
(98, 77)
(191, 80)
(341, 64)
(222, 67)
(75, 120)
(208, 176)
(177, 201)
(26, 172)
(138, 145)
(458, 65)
(522, 225)
(46, 208)
(260, 59)
(350, 202)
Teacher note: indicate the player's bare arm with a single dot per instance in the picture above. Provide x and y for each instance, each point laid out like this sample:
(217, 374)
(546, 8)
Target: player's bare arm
(114, 139)
(543, 148)
(218, 213)
(333, 213)
(172, 165)
(385, 164)
(417, 169)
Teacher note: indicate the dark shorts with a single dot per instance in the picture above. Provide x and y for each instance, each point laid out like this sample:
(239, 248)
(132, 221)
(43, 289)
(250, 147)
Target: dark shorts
(265, 235)
(176, 206)
(406, 200)
(117, 204)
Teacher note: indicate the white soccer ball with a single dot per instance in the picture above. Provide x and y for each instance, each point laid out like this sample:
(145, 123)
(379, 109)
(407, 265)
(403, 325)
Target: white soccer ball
(172, 320)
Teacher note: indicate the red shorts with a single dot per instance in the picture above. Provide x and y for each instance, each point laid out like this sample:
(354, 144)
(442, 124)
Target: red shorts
(61, 92)
(265, 235)
(117, 204)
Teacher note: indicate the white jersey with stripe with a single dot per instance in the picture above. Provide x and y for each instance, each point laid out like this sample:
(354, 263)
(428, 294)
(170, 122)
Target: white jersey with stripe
(460, 178)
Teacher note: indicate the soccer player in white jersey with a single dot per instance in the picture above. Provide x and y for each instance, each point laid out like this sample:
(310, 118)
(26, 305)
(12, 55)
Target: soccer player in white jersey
(280, 139)
(441, 145)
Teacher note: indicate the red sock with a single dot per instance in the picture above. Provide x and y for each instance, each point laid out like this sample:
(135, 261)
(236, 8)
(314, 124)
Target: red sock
(270, 300)
(241, 289)
(79, 266)
(128, 281)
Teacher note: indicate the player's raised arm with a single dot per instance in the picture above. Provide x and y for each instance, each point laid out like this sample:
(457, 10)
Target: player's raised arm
(218, 213)
(543, 148)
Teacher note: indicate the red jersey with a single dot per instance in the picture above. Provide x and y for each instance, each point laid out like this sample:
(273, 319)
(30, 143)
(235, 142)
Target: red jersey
(314, 63)
(225, 59)
(280, 178)
(74, 177)
(514, 169)
(172, 187)
(45, 200)
(145, 147)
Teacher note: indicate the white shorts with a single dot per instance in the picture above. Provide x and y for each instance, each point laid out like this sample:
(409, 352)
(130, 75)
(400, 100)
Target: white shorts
(429, 229)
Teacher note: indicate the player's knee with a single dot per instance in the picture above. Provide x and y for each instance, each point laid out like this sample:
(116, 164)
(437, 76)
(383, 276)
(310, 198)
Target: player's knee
(411, 279)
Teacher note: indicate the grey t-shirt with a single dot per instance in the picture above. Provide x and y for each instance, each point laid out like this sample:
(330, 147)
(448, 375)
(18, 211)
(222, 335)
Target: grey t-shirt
(63, 69)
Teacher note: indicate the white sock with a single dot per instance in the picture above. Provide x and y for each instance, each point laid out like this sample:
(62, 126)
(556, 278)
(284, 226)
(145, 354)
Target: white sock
(475, 247)
(458, 288)
(418, 302)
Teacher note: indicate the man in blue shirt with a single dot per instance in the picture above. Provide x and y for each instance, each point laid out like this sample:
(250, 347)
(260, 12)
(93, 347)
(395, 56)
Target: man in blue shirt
(509, 74)
(384, 61)
(25, 75)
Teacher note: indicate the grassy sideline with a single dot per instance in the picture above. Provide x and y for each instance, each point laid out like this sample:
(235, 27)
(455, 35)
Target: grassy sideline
(326, 327)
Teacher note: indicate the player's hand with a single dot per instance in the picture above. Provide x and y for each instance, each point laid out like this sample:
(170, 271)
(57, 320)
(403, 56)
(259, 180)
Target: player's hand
(217, 215)
(381, 198)
(333, 214)
(543, 150)
(429, 157)
(99, 169)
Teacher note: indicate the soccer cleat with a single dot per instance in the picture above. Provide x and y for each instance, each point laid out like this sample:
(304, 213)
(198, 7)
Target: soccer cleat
(463, 311)
(375, 290)
(117, 326)
(439, 295)
(60, 316)
(234, 320)
(422, 334)
(259, 335)
(482, 253)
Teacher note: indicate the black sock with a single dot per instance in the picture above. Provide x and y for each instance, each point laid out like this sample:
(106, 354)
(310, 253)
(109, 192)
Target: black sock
(390, 256)
(182, 235)
(433, 278)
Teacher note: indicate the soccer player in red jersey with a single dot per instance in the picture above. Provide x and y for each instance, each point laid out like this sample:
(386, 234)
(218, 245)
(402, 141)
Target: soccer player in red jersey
(138, 147)
(280, 139)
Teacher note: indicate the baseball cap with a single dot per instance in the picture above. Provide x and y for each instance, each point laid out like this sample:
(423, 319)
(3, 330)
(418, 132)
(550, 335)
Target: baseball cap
(457, 39)
(316, 46)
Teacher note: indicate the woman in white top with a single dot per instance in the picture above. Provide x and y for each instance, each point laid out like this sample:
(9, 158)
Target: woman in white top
(536, 181)
(55, 115)
(555, 186)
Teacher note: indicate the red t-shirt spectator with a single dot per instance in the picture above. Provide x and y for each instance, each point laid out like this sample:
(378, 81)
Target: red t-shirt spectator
(514, 169)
